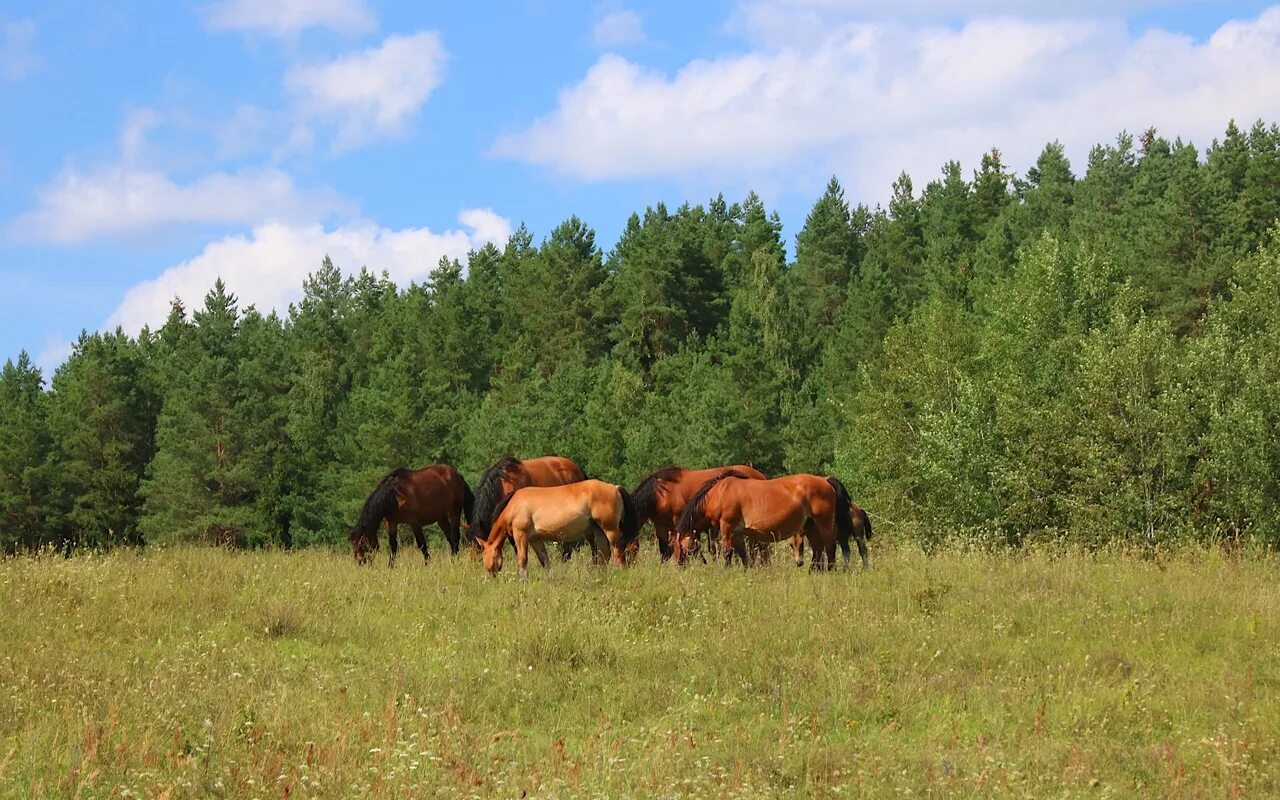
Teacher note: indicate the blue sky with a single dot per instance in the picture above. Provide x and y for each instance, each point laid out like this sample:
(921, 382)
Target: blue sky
(148, 147)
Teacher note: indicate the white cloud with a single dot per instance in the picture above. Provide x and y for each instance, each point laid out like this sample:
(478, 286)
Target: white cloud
(617, 29)
(17, 58)
(373, 93)
(267, 268)
(119, 200)
(289, 17)
(868, 99)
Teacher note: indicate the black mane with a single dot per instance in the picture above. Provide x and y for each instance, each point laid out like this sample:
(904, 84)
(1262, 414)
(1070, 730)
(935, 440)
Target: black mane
(645, 496)
(691, 511)
(489, 496)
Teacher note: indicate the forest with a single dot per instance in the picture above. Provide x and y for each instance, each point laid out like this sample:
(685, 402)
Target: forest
(1081, 354)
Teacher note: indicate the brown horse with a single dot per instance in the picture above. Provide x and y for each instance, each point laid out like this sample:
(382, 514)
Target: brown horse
(661, 498)
(509, 474)
(773, 510)
(417, 498)
(573, 512)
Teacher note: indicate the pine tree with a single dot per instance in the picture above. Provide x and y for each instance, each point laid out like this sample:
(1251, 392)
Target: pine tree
(28, 515)
(102, 416)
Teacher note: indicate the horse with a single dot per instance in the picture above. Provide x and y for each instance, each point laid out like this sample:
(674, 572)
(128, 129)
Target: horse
(509, 474)
(588, 509)
(432, 495)
(662, 497)
(773, 510)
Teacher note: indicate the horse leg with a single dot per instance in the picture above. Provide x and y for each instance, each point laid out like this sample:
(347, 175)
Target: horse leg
(452, 529)
(522, 553)
(726, 543)
(862, 551)
(663, 534)
(393, 540)
(566, 550)
(740, 547)
(421, 539)
(540, 550)
(797, 549)
(614, 537)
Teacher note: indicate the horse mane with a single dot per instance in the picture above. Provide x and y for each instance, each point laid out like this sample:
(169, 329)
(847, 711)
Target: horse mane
(497, 512)
(645, 496)
(685, 526)
(381, 502)
(488, 496)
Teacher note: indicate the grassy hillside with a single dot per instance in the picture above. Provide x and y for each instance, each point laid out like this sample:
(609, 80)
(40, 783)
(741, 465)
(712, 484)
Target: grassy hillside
(200, 672)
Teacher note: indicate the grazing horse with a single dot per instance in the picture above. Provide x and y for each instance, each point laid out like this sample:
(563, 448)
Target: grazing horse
(509, 474)
(417, 498)
(774, 510)
(661, 498)
(573, 512)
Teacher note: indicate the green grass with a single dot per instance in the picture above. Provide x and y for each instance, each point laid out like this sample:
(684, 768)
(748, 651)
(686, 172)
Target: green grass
(195, 672)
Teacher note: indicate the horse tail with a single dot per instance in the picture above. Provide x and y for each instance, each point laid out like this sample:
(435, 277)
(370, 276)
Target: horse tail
(468, 499)
(844, 512)
(691, 511)
(379, 505)
(866, 521)
(630, 522)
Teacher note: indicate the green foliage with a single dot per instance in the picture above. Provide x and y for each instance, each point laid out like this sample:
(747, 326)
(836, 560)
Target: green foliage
(1011, 358)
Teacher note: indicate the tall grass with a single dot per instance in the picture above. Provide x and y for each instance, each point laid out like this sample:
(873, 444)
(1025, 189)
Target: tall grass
(193, 672)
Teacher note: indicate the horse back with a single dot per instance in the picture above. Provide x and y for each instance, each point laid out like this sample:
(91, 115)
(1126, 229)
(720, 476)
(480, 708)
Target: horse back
(431, 494)
(551, 471)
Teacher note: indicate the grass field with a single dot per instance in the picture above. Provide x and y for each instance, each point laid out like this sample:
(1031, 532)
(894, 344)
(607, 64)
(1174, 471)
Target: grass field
(196, 672)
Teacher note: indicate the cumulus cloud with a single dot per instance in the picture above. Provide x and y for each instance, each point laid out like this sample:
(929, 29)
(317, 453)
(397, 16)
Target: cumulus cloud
(866, 99)
(17, 56)
(372, 93)
(289, 17)
(618, 29)
(266, 268)
(119, 200)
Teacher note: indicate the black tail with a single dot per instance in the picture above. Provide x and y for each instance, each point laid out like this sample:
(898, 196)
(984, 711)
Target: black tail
(844, 513)
(381, 503)
(691, 511)
(468, 500)
(630, 517)
(866, 522)
(646, 494)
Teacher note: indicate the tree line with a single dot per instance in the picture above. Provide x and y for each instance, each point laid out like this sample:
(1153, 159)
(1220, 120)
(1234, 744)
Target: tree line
(1088, 358)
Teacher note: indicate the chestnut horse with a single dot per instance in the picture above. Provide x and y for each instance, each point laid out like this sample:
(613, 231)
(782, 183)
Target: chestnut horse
(509, 474)
(773, 510)
(661, 498)
(595, 510)
(417, 498)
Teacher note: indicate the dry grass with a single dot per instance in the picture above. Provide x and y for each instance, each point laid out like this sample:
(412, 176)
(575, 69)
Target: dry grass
(207, 673)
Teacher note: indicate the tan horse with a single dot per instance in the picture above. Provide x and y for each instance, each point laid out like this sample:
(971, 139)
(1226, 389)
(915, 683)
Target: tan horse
(509, 474)
(586, 510)
(435, 495)
(741, 509)
(661, 498)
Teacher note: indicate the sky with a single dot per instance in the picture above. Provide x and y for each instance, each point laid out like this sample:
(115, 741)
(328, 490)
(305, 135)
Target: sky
(149, 148)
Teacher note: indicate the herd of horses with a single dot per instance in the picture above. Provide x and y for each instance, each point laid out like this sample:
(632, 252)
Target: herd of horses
(533, 502)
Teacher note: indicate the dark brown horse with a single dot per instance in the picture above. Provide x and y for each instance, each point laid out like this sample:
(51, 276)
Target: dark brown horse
(509, 474)
(740, 508)
(575, 512)
(661, 498)
(435, 495)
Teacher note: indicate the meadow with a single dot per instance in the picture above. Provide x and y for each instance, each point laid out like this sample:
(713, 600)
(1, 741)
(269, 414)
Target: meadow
(199, 672)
